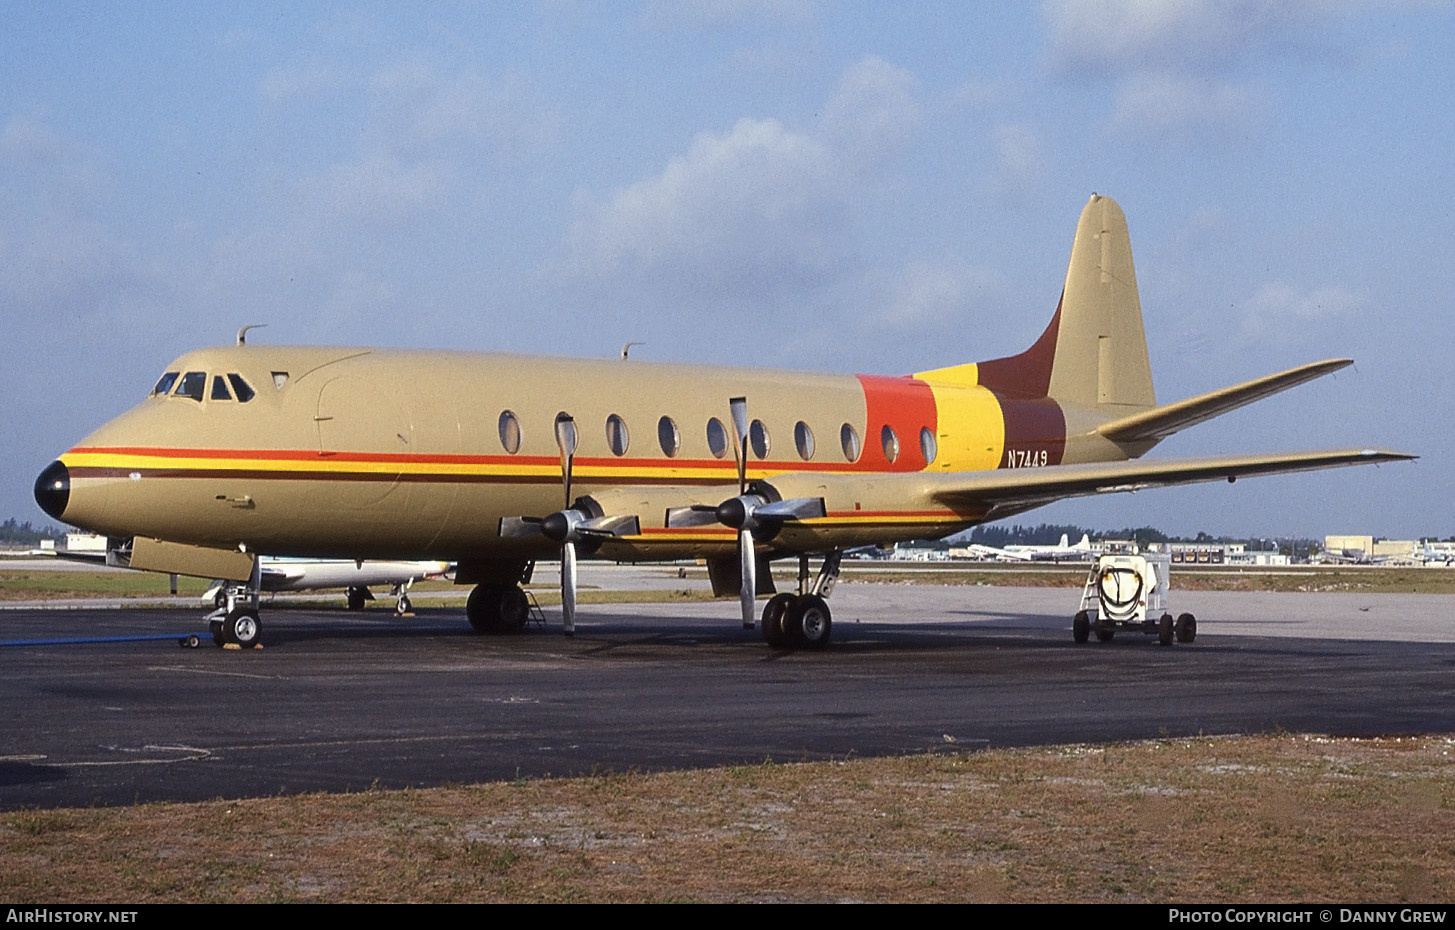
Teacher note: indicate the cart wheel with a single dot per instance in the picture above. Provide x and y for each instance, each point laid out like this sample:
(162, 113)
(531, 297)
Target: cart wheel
(1164, 630)
(1186, 628)
(1081, 627)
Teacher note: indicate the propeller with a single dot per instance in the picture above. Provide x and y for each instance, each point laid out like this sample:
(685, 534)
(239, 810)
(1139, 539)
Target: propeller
(561, 527)
(577, 520)
(747, 559)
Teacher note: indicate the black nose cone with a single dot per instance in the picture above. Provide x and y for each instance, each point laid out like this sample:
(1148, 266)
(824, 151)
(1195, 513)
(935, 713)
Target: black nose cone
(53, 489)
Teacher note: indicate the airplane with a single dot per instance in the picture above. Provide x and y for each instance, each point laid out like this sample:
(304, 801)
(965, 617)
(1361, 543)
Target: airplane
(1081, 551)
(278, 574)
(495, 461)
(284, 574)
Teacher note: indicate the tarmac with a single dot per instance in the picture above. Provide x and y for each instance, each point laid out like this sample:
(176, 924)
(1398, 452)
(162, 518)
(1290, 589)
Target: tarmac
(340, 701)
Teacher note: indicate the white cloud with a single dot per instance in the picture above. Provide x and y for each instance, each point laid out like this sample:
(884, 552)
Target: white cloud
(381, 186)
(1153, 102)
(1019, 162)
(874, 110)
(1116, 36)
(747, 211)
(720, 13)
(755, 217)
(930, 293)
(1279, 311)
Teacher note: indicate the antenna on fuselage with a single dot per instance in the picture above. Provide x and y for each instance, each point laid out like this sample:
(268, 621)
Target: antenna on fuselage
(627, 348)
(242, 334)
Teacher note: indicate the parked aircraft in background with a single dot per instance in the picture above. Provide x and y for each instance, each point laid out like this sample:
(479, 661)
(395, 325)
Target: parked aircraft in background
(1082, 551)
(294, 574)
(356, 578)
(493, 461)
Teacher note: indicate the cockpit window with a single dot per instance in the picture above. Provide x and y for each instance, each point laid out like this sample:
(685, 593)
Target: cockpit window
(165, 384)
(219, 389)
(241, 388)
(192, 385)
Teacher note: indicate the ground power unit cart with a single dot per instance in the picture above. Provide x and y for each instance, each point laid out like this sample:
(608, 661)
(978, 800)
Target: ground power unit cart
(1128, 591)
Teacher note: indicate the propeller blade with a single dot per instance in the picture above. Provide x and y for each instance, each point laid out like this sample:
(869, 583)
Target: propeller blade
(738, 406)
(749, 564)
(568, 587)
(795, 508)
(566, 442)
(564, 525)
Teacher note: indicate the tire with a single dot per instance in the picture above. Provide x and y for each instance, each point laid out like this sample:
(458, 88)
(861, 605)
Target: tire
(514, 610)
(774, 614)
(191, 641)
(482, 608)
(356, 598)
(811, 622)
(215, 628)
(243, 627)
(1081, 627)
(405, 605)
(1186, 628)
(1104, 634)
(494, 608)
(1164, 630)
(219, 600)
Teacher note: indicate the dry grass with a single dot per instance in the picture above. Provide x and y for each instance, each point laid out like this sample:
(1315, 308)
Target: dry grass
(1262, 819)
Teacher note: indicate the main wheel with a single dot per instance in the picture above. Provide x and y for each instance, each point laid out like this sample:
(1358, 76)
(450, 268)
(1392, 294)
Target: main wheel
(494, 608)
(810, 622)
(357, 598)
(1164, 630)
(1081, 627)
(482, 608)
(514, 610)
(243, 627)
(1186, 628)
(215, 628)
(774, 613)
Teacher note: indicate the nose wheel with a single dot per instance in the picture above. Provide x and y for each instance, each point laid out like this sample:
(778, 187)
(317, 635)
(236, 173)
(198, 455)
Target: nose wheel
(241, 626)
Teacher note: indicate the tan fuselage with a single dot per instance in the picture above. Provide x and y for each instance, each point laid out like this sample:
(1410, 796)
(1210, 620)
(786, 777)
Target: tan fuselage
(369, 453)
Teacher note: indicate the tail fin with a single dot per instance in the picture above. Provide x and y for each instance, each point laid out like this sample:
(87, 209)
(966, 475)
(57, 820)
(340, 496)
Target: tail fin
(1094, 353)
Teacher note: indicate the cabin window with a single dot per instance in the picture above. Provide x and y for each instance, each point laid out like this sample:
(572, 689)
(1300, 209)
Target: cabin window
(164, 385)
(803, 440)
(717, 438)
(758, 439)
(928, 447)
(890, 440)
(280, 378)
(192, 385)
(219, 388)
(241, 388)
(849, 440)
(509, 432)
(668, 437)
(616, 435)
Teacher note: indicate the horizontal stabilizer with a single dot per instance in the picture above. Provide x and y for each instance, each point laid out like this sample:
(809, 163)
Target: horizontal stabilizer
(1161, 422)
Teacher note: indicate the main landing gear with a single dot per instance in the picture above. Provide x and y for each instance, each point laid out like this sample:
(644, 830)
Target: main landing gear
(803, 620)
(497, 608)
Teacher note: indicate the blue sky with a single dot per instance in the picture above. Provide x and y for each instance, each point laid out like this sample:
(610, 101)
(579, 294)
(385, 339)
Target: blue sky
(881, 187)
